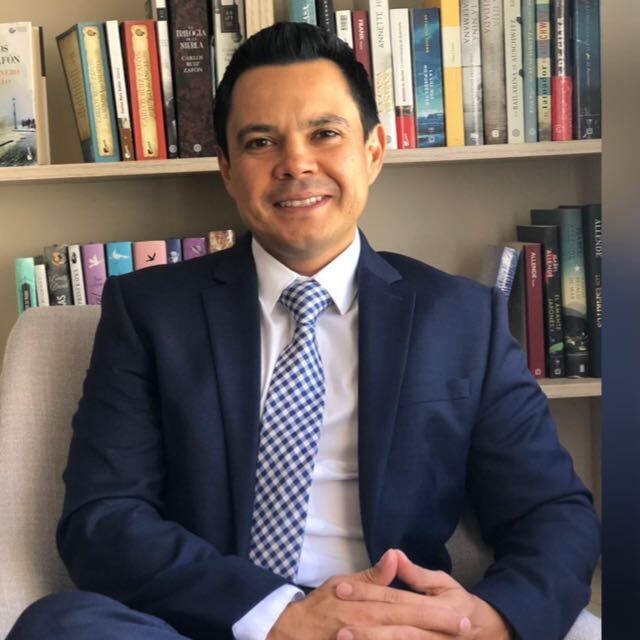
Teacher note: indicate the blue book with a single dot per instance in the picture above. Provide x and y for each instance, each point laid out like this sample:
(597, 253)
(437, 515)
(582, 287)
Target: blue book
(529, 41)
(174, 250)
(427, 76)
(119, 258)
(303, 11)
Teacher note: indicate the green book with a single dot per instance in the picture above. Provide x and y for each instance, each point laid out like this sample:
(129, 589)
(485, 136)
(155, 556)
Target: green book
(25, 284)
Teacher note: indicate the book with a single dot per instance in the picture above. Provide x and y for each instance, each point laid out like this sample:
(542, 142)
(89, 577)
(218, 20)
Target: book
(119, 258)
(267, 14)
(402, 78)
(157, 10)
(302, 11)
(221, 239)
(517, 305)
(574, 299)
(25, 284)
(427, 70)
(119, 84)
(252, 17)
(499, 267)
(361, 41)
(94, 271)
(24, 131)
(56, 260)
(148, 253)
(592, 232)
(174, 250)
(530, 72)
(471, 72)
(192, 77)
(548, 236)
(76, 275)
(228, 31)
(85, 62)
(494, 94)
(543, 66)
(325, 15)
(42, 289)
(586, 55)
(452, 69)
(562, 72)
(142, 63)
(344, 26)
(513, 71)
(194, 247)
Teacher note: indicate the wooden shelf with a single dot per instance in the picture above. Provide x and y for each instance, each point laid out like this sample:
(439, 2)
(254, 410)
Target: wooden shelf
(193, 166)
(571, 388)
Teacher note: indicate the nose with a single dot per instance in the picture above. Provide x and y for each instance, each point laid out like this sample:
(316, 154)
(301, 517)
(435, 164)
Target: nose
(296, 160)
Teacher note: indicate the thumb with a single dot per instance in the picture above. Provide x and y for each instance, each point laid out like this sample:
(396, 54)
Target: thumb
(383, 572)
(423, 580)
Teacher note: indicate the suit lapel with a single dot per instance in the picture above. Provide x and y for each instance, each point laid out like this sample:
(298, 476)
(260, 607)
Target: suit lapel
(232, 309)
(385, 317)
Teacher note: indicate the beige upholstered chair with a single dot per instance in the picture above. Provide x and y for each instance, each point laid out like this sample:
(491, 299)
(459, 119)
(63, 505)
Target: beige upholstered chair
(45, 362)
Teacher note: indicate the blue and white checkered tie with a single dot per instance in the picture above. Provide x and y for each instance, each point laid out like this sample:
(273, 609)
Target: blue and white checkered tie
(291, 422)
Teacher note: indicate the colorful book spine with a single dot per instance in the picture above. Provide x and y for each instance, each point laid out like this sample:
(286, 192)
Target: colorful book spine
(302, 11)
(513, 71)
(562, 73)
(194, 248)
(25, 284)
(452, 66)
(221, 239)
(95, 271)
(530, 71)
(344, 26)
(325, 15)
(174, 250)
(472, 72)
(543, 67)
(42, 289)
(148, 253)
(361, 41)
(427, 70)
(533, 297)
(76, 274)
(56, 259)
(193, 84)
(586, 55)
(592, 231)
(494, 95)
(85, 62)
(499, 268)
(228, 31)
(574, 297)
(119, 83)
(402, 78)
(383, 68)
(119, 258)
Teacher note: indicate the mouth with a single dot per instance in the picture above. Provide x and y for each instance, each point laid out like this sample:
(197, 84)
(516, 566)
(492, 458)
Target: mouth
(302, 204)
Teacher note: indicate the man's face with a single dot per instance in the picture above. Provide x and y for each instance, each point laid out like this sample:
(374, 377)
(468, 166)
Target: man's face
(299, 168)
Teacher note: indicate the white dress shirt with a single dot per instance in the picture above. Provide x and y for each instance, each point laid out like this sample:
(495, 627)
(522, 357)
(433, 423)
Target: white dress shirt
(333, 541)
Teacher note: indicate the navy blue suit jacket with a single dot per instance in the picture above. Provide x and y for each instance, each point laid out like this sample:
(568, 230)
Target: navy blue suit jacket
(160, 476)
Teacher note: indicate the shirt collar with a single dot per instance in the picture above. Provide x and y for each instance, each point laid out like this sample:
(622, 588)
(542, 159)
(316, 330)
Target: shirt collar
(338, 277)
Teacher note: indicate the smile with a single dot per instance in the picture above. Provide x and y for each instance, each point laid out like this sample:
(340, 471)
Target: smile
(307, 202)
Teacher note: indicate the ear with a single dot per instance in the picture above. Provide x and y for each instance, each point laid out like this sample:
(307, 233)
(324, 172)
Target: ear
(375, 147)
(225, 169)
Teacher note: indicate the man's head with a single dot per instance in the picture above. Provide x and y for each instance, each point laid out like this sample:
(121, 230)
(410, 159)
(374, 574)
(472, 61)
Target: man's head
(300, 142)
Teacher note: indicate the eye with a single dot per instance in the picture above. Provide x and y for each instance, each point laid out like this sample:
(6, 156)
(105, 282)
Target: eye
(257, 143)
(326, 133)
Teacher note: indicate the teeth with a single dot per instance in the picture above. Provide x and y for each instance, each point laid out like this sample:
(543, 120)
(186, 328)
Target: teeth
(300, 203)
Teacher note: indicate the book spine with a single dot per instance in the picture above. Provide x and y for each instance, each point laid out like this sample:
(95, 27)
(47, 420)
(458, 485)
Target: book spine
(344, 26)
(75, 272)
(42, 290)
(493, 60)
(221, 239)
(472, 72)
(383, 68)
(119, 83)
(302, 11)
(43, 142)
(535, 328)
(192, 76)
(95, 271)
(543, 68)
(193, 248)
(56, 259)
(361, 41)
(143, 73)
(148, 253)
(174, 250)
(562, 78)
(25, 284)
(402, 78)
(586, 48)
(119, 258)
(513, 70)
(592, 231)
(325, 15)
(427, 69)
(228, 31)
(517, 306)
(530, 72)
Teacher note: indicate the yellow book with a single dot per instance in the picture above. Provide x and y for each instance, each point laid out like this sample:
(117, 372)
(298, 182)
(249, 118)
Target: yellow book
(452, 66)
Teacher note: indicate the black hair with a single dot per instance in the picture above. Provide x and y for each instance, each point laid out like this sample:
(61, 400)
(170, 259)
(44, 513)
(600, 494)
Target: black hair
(286, 43)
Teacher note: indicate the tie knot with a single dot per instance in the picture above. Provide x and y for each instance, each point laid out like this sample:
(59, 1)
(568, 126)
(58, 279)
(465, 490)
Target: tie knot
(305, 300)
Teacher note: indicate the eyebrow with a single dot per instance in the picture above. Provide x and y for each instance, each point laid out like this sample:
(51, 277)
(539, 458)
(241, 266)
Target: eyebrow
(318, 121)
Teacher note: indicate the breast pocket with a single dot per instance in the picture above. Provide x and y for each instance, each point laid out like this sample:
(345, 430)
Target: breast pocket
(435, 391)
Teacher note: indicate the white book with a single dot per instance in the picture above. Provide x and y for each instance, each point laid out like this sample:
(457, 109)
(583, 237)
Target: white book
(472, 72)
(42, 288)
(514, 73)
(402, 78)
(77, 278)
(344, 27)
(229, 31)
(380, 34)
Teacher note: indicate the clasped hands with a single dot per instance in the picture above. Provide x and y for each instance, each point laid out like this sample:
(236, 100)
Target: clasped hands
(363, 606)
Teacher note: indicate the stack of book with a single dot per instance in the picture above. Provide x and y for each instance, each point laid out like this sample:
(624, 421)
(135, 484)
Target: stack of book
(75, 274)
(552, 275)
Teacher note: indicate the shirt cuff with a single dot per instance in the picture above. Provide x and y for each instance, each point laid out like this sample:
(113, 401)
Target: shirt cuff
(257, 622)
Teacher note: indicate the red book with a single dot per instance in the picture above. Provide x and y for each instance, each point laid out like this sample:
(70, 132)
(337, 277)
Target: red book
(147, 253)
(533, 272)
(562, 77)
(139, 42)
(361, 44)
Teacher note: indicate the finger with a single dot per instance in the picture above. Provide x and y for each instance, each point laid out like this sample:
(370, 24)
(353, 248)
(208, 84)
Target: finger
(362, 591)
(383, 572)
(390, 632)
(421, 579)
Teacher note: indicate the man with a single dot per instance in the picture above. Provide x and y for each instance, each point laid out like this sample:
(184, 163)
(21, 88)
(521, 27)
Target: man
(303, 408)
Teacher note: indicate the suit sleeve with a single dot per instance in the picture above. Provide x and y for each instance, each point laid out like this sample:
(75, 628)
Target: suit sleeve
(533, 509)
(113, 535)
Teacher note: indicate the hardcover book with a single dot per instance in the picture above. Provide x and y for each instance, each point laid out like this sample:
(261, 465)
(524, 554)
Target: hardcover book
(148, 253)
(517, 306)
(499, 267)
(361, 41)
(56, 259)
(174, 250)
(76, 274)
(562, 73)
(228, 31)
(402, 78)
(472, 72)
(42, 289)
(344, 26)
(543, 62)
(25, 284)
(194, 248)
(513, 71)
(592, 231)
(325, 15)
(302, 11)
(530, 71)
(119, 258)
(83, 51)
(94, 271)
(427, 69)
